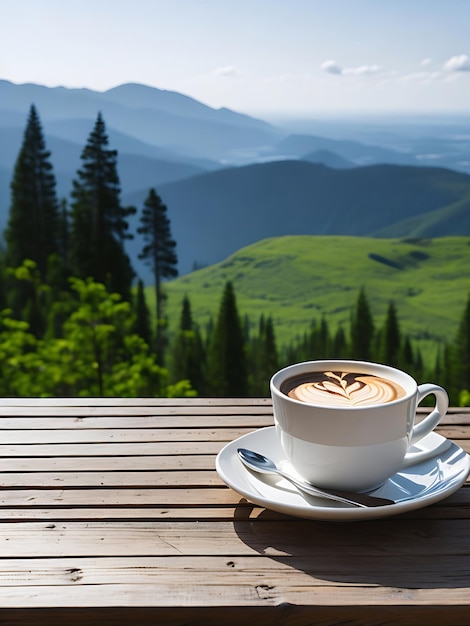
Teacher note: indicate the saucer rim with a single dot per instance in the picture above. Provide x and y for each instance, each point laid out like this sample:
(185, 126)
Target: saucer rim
(338, 512)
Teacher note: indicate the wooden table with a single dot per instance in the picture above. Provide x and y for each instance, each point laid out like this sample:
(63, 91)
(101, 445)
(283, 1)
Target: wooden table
(112, 512)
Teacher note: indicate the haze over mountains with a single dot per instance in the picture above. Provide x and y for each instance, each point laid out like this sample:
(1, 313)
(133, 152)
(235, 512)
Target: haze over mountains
(230, 180)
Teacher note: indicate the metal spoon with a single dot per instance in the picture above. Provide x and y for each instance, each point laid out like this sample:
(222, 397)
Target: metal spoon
(260, 463)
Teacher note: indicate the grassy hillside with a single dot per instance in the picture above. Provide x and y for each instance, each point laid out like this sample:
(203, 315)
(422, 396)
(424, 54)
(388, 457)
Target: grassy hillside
(297, 279)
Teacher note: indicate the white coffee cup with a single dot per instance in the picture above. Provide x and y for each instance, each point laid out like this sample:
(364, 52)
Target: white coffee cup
(353, 447)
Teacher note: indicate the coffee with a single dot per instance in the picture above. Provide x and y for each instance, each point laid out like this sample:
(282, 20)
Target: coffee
(342, 389)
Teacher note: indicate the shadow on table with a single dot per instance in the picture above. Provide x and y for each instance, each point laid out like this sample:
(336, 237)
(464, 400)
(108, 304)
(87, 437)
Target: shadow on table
(400, 551)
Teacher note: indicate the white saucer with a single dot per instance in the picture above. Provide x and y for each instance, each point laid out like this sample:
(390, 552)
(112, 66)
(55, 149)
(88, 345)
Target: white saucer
(444, 470)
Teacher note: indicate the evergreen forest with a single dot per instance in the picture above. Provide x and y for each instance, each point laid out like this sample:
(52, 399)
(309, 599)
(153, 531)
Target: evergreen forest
(74, 320)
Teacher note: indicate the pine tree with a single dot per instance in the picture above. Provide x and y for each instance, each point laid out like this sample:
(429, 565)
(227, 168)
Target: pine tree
(142, 325)
(445, 377)
(227, 372)
(32, 231)
(263, 358)
(320, 341)
(340, 345)
(407, 355)
(99, 225)
(461, 354)
(188, 355)
(269, 358)
(391, 337)
(159, 253)
(418, 366)
(362, 329)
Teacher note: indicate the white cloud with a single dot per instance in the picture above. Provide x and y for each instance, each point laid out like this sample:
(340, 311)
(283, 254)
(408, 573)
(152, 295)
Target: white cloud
(460, 63)
(362, 69)
(420, 78)
(227, 70)
(331, 67)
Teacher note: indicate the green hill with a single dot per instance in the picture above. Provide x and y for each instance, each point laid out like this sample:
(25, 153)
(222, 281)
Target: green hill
(297, 279)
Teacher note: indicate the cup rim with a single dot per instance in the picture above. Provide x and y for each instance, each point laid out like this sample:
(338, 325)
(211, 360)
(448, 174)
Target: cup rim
(329, 363)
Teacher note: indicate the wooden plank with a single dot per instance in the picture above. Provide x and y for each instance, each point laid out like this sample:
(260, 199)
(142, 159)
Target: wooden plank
(199, 594)
(320, 542)
(260, 594)
(234, 571)
(111, 449)
(172, 403)
(111, 479)
(134, 402)
(284, 613)
(173, 414)
(149, 422)
(457, 417)
(454, 432)
(46, 433)
(171, 496)
(167, 435)
(116, 479)
(89, 407)
(215, 512)
(144, 422)
(137, 411)
(106, 463)
(453, 508)
(231, 506)
(155, 448)
(120, 435)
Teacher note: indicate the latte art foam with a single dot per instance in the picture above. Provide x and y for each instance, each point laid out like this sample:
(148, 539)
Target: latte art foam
(342, 389)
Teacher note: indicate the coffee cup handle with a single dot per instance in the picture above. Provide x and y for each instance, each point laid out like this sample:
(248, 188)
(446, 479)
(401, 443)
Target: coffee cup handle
(430, 422)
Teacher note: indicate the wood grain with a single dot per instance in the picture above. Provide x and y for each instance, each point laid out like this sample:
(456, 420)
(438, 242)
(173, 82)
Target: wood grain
(112, 512)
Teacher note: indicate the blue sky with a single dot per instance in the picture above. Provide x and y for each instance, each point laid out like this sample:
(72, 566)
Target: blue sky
(296, 57)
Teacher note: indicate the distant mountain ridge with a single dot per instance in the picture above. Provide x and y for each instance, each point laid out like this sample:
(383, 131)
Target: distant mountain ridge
(184, 136)
(215, 214)
(229, 179)
(356, 152)
(328, 158)
(165, 118)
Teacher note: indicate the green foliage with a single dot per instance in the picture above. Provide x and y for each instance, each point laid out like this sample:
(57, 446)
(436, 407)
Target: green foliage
(362, 329)
(227, 371)
(19, 361)
(33, 223)
(98, 354)
(99, 224)
(263, 358)
(76, 335)
(187, 355)
(109, 359)
(83, 335)
(159, 253)
(28, 295)
(461, 365)
(391, 338)
(142, 324)
(159, 249)
(464, 397)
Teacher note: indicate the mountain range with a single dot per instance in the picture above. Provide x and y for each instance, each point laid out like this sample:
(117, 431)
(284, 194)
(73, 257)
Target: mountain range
(229, 179)
(215, 214)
